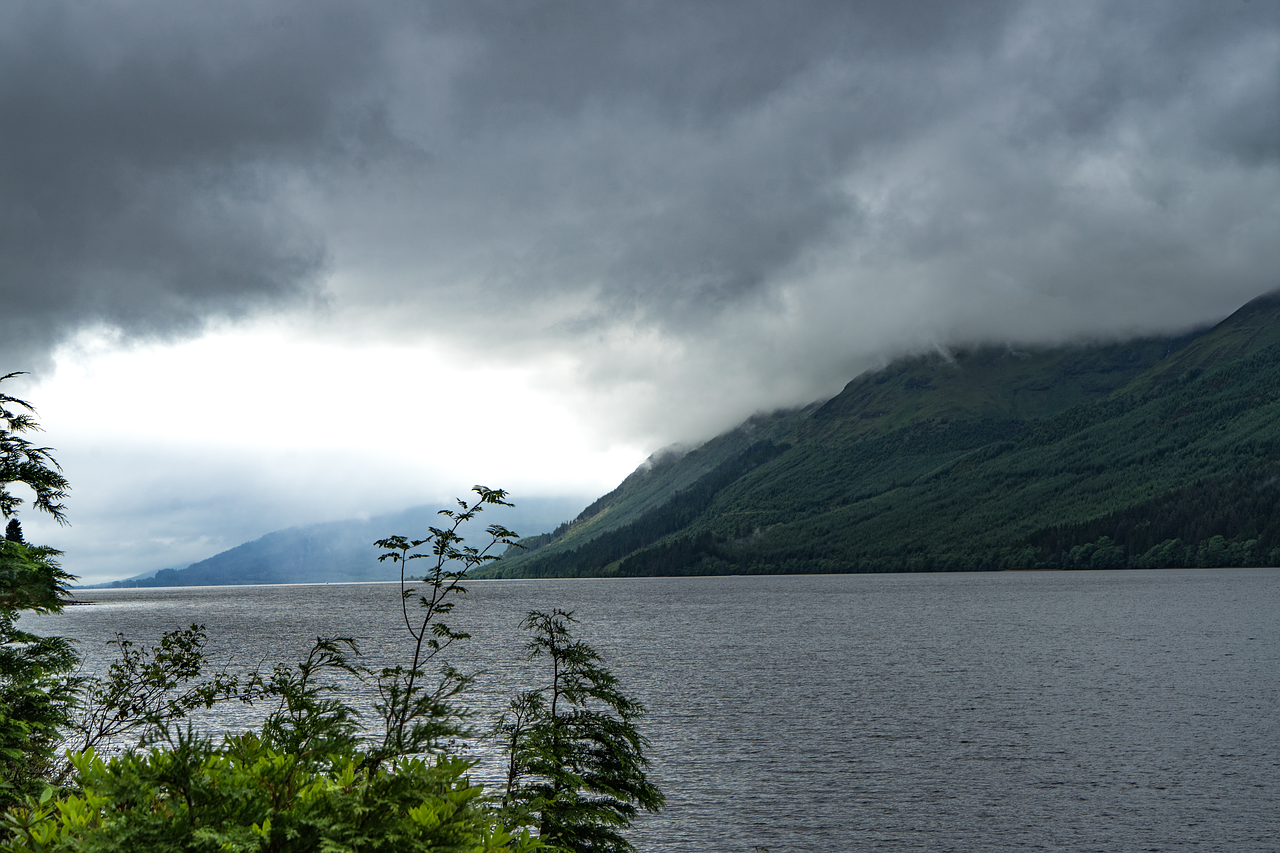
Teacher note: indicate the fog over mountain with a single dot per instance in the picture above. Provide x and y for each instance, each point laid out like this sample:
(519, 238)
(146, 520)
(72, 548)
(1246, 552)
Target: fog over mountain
(669, 215)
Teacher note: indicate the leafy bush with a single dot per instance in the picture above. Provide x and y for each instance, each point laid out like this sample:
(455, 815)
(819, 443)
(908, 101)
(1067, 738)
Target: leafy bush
(242, 795)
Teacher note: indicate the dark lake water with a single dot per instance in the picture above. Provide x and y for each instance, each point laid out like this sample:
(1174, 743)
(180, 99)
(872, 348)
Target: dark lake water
(1107, 711)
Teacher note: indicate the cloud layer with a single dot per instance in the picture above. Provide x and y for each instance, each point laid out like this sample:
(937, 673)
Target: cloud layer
(706, 209)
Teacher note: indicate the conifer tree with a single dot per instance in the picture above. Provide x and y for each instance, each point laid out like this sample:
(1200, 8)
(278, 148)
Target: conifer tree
(22, 461)
(576, 762)
(37, 691)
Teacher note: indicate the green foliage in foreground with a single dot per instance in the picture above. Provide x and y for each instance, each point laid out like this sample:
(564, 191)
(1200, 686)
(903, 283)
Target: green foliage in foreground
(23, 461)
(242, 795)
(1154, 453)
(37, 689)
(316, 775)
(575, 758)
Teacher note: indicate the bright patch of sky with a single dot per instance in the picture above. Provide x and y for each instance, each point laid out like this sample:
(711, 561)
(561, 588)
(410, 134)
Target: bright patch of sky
(271, 429)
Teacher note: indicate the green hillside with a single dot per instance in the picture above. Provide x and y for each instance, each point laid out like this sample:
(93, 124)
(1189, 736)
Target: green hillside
(1157, 452)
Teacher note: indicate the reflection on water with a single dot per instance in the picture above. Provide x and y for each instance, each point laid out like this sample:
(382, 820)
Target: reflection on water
(1115, 711)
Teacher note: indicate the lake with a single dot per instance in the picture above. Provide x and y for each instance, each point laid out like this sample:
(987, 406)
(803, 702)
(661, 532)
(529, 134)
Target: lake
(1107, 711)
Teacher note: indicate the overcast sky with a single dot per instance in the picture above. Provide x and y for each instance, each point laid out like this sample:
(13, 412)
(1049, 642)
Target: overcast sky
(272, 263)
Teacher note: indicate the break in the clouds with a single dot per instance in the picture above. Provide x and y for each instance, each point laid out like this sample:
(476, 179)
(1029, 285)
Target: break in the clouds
(684, 212)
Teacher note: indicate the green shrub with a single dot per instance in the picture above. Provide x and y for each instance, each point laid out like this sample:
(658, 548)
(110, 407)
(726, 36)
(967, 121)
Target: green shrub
(243, 796)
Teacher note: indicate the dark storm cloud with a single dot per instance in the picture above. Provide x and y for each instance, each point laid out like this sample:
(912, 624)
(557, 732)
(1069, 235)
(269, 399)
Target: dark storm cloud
(143, 152)
(879, 175)
(672, 162)
(705, 141)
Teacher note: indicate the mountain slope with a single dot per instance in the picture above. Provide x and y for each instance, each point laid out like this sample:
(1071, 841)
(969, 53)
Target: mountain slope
(339, 551)
(1153, 452)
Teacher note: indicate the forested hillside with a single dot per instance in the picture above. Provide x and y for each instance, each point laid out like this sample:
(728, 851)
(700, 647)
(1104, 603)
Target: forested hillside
(1157, 452)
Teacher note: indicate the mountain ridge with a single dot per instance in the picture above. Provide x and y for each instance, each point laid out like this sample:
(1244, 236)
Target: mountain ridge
(333, 551)
(971, 460)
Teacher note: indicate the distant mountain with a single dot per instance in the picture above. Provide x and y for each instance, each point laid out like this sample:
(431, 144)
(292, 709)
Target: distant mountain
(339, 551)
(1154, 452)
